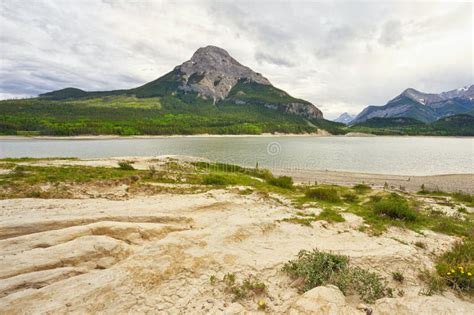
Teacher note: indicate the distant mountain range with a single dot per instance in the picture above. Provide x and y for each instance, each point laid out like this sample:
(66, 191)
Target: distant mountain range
(424, 107)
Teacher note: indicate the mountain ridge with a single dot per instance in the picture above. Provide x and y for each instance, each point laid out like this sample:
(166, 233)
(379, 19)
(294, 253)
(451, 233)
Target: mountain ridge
(425, 107)
(211, 74)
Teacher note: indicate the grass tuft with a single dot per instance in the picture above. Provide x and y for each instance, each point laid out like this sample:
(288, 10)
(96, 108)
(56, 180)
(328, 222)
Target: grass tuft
(395, 207)
(323, 193)
(281, 181)
(362, 188)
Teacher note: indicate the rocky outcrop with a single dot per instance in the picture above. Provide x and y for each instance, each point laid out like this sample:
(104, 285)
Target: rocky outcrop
(212, 72)
(322, 301)
(304, 109)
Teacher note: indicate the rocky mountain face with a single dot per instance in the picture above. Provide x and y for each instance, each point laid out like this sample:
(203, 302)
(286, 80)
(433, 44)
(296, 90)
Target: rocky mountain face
(344, 118)
(212, 74)
(425, 107)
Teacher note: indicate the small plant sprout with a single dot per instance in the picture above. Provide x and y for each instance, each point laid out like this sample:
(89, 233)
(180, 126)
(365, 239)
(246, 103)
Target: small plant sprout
(229, 278)
(398, 276)
(262, 305)
(213, 279)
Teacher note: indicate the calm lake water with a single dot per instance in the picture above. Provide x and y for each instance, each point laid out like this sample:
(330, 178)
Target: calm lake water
(386, 155)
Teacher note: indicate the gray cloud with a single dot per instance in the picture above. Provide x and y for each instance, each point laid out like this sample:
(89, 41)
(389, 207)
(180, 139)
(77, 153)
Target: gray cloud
(339, 55)
(276, 60)
(391, 33)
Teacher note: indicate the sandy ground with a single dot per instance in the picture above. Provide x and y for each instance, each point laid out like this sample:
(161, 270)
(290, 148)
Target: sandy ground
(156, 254)
(448, 183)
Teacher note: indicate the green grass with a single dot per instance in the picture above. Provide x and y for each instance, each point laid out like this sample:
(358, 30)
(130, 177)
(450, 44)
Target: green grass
(395, 207)
(330, 215)
(249, 287)
(384, 210)
(28, 174)
(281, 181)
(216, 179)
(317, 268)
(30, 159)
(463, 197)
(304, 218)
(328, 194)
(362, 188)
(454, 269)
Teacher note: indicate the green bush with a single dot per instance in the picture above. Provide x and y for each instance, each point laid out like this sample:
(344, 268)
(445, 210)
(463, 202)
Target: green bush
(281, 181)
(463, 197)
(317, 268)
(395, 207)
(323, 193)
(350, 197)
(126, 166)
(362, 188)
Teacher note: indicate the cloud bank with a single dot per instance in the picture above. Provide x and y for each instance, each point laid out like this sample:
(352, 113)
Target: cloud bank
(340, 55)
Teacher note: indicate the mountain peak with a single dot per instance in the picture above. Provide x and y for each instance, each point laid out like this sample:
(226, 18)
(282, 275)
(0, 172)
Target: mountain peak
(211, 51)
(212, 73)
(344, 118)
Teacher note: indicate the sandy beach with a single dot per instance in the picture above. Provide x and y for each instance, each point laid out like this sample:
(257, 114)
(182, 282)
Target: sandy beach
(124, 246)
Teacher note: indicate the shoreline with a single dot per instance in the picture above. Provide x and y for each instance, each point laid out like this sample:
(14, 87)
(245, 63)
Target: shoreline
(412, 183)
(264, 135)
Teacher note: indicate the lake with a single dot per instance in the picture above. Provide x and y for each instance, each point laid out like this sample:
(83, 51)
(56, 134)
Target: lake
(384, 155)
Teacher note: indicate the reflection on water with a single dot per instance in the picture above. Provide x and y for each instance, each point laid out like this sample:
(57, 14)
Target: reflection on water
(386, 155)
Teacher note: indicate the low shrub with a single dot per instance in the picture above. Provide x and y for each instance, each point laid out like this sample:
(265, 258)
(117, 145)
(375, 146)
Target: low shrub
(317, 268)
(126, 166)
(323, 193)
(281, 181)
(395, 207)
(350, 197)
(463, 197)
(362, 188)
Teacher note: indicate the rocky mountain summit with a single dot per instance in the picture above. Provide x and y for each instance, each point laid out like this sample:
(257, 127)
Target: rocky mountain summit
(425, 107)
(217, 72)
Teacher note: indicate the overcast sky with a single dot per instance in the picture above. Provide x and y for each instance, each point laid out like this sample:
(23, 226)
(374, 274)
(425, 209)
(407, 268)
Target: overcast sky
(340, 55)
